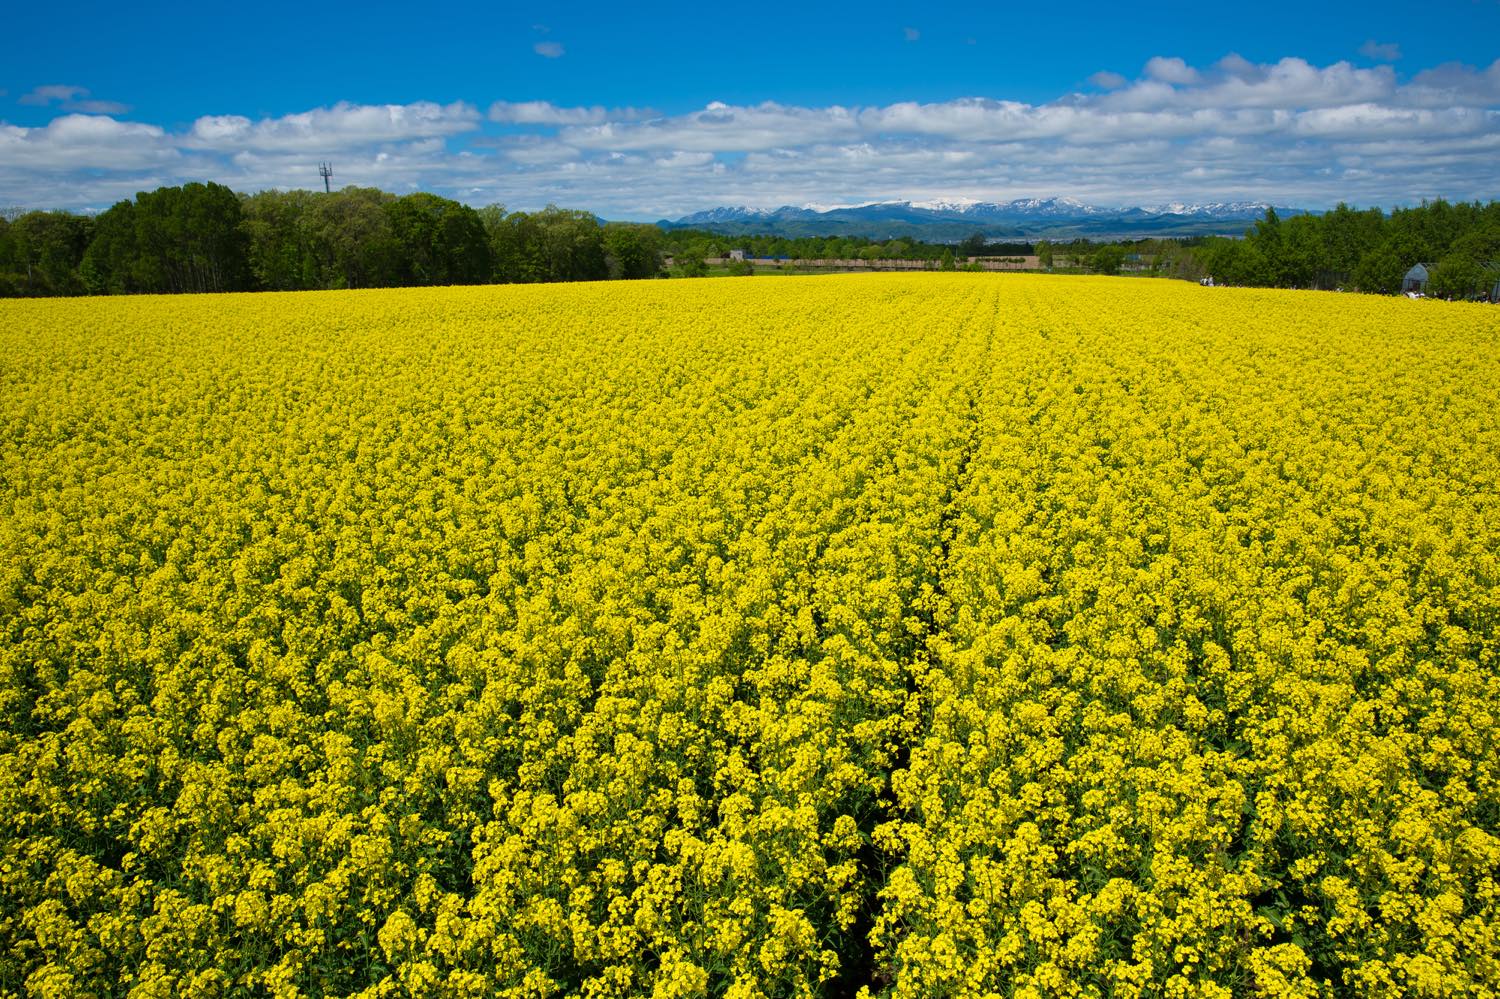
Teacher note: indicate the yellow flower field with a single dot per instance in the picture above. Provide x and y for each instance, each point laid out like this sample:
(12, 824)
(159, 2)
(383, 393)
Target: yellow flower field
(915, 635)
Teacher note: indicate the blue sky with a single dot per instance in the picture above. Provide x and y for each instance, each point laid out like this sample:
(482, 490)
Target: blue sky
(649, 110)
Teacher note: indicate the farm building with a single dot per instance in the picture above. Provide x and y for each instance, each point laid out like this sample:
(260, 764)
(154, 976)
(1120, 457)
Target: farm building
(736, 254)
(1416, 280)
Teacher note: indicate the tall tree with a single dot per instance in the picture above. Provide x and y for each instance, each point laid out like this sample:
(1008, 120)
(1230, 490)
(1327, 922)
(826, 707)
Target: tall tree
(1347, 236)
(631, 250)
(573, 244)
(109, 263)
(1107, 259)
(9, 280)
(350, 240)
(190, 238)
(280, 256)
(517, 251)
(440, 241)
(47, 249)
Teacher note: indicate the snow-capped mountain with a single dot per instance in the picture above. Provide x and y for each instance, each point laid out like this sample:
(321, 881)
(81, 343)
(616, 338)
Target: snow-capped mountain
(1068, 207)
(730, 213)
(1216, 209)
(957, 218)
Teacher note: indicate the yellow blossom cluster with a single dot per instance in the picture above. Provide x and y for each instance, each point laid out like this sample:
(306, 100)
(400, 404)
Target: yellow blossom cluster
(904, 635)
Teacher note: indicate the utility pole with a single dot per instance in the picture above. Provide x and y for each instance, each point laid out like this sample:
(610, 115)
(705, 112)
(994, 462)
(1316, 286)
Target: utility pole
(325, 170)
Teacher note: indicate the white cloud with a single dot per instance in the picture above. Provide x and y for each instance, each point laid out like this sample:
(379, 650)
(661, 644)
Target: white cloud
(1372, 121)
(546, 113)
(1455, 84)
(84, 142)
(720, 128)
(1289, 130)
(1237, 65)
(1171, 70)
(332, 129)
(679, 159)
(549, 50)
(1235, 83)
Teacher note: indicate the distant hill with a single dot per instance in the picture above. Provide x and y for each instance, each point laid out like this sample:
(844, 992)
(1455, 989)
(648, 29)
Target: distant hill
(951, 221)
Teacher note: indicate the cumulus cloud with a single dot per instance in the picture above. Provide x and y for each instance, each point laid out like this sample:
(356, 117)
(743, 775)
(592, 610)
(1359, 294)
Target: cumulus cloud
(90, 142)
(549, 50)
(340, 127)
(1289, 84)
(1456, 84)
(1289, 130)
(721, 128)
(546, 113)
(1236, 65)
(1171, 70)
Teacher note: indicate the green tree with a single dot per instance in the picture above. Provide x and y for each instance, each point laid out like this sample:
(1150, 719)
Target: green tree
(439, 241)
(1480, 243)
(516, 248)
(190, 239)
(632, 250)
(572, 244)
(109, 263)
(1234, 261)
(945, 262)
(275, 224)
(47, 249)
(10, 283)
(1347, 236)
(1303, 259)
(350, 241)
(1044, 255)
(1108, 258)
(1458, 276)
(1382, 269)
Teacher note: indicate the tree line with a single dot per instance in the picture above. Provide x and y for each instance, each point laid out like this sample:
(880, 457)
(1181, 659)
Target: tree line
(1365, 250)
(1349, 249)
(207, 238)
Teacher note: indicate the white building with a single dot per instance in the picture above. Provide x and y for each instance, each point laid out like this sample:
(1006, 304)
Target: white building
(1415, 282)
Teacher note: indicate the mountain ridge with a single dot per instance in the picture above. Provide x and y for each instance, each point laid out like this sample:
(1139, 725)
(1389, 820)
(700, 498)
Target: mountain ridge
(953, 219)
